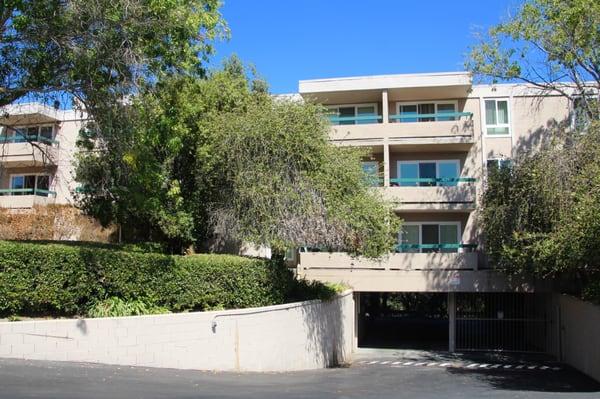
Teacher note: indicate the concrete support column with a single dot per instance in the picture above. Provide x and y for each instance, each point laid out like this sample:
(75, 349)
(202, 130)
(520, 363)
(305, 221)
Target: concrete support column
(385, 107)
(451, 322)
(386, 165)
(357, 322)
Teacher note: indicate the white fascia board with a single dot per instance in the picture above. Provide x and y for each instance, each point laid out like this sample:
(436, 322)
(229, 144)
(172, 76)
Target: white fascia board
(523, 90)
(36, 108)
(380, 82)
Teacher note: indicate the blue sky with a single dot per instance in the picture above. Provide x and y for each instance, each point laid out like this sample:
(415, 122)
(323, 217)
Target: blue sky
(291, 40)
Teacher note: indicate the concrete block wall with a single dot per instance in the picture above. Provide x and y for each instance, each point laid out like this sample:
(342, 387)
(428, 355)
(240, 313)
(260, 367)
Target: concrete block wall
(297, 336)
(580, 335)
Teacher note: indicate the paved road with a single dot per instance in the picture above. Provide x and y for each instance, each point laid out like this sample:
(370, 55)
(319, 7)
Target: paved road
(367, 378)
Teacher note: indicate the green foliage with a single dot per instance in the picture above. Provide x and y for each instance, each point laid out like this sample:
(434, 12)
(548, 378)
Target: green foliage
(541, 216)
(546, 43)
(218, 160)
(103, 50)
(116, 307)
(42, 279)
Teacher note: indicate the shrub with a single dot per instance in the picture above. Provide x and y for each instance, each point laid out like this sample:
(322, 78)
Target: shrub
(70, 279)
(116, 307)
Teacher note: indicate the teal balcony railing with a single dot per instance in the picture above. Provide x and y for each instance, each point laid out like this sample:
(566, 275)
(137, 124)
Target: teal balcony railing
(28, 191)
(355, 120)
(26, 139)
(437, 117)
(431, 181)
(435, 247)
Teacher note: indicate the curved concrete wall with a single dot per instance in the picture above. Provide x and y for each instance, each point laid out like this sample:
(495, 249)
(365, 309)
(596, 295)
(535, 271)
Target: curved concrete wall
(297, 336)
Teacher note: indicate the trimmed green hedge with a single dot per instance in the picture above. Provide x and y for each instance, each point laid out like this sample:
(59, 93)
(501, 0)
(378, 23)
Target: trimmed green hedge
(54, 279)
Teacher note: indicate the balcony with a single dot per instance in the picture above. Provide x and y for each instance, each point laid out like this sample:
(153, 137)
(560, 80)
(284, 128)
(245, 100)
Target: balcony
(24, 198)
(22, 151)
(429, 194)
(404, 129)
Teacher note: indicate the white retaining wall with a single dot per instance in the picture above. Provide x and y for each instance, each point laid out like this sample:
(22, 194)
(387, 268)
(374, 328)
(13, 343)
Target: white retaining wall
(580, 335)
(297, 336)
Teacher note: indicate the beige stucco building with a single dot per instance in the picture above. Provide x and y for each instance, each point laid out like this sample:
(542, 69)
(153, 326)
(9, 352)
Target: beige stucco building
(38, 146)
(432, 138)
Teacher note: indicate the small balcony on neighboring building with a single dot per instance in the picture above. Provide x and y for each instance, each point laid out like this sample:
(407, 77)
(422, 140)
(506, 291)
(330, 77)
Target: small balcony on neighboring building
(32, 145)
(26, 190)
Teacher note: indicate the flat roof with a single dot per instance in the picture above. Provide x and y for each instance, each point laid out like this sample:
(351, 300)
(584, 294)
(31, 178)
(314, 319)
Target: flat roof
(379, 82)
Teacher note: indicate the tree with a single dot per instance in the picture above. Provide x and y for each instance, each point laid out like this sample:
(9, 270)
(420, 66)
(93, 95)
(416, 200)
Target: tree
(96, 50)
(540, 216)
(551, 44)
(218, 160)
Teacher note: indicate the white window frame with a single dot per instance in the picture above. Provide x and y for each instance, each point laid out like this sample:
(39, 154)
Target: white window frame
(50, 179)
(484, 117)
(356, 106)
(13, 131)
(399, 104)
(437, 166)
(420, 224)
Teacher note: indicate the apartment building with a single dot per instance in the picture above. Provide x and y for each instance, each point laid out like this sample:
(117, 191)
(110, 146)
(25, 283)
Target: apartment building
(38, 145)
(432, 138)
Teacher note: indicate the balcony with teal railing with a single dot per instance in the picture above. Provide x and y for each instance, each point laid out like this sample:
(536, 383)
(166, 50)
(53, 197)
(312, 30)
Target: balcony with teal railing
(25, 151)
(361, 119)
(435, 248)
(440, 193)
(413, 117)
(22, 198)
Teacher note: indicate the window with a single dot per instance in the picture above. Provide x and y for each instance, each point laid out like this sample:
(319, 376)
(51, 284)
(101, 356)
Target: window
(409, 112)
(580, 118)
(428, 173)
(353, 114)
(430, 237)
(498, 163)
(30, 185)
(22, 134)
(371, 169)
(496, 118)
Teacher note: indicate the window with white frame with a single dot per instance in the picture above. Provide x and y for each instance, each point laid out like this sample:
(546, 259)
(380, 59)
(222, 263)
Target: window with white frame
(428, 173)
(21, 134)
(429, 237)
(353, 114)
(30, 184)
(497, 117)
(498, 163)
(429, 111)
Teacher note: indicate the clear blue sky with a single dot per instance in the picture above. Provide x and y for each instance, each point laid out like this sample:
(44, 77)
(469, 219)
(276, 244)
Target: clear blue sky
(290, 40)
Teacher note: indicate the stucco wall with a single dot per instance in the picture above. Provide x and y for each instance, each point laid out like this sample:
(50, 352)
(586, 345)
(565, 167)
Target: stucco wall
(304, 335)
(580, 335)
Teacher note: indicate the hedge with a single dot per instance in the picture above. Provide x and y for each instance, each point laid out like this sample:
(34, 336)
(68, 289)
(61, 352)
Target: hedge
(54, 279)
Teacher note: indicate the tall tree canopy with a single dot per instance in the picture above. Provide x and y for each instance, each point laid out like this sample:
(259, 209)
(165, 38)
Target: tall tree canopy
(100, 51)
(551, 44)
(218, 159)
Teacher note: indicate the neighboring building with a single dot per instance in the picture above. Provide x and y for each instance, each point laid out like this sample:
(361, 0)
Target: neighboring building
(38, 145)
(432, 138)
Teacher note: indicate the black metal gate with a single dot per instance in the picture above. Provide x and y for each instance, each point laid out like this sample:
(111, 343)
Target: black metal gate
(503, 322)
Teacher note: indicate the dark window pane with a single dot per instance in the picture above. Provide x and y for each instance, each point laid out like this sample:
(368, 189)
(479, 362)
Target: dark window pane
(427, 171)
(430, 235)
(43, 183)
(345, 112)
(426, 109)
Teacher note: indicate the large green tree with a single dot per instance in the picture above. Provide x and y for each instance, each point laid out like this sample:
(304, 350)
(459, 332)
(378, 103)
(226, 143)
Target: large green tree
(99, 51)
(551, 44)
(215, 160)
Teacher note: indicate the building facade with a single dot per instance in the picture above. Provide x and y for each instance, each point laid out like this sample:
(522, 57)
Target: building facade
(432, 138)
(38, 145)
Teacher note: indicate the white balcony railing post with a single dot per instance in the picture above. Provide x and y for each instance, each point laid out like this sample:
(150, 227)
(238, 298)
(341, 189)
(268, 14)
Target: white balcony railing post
(385, 107)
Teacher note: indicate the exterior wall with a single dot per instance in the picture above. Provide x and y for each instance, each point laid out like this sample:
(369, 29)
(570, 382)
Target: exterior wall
(19, 158)
(579, 332)
(297, 336)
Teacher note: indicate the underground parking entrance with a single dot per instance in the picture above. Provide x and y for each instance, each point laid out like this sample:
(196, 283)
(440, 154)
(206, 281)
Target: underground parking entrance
(456, 322)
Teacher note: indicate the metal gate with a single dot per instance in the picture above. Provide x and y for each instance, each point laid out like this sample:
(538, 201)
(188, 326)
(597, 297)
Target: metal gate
(503, 322)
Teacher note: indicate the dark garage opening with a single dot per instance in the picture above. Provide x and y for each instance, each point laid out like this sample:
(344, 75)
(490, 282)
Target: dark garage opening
(403, 320)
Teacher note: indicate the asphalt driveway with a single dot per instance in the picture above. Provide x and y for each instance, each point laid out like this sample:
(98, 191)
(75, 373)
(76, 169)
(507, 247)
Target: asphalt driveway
(369, 377)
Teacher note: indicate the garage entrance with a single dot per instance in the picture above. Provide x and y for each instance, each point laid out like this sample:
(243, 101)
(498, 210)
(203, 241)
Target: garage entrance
(403, 320)
(509, 322)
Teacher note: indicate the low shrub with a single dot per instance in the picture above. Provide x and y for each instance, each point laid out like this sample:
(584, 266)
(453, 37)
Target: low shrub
(116, 307)
(62, 280)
